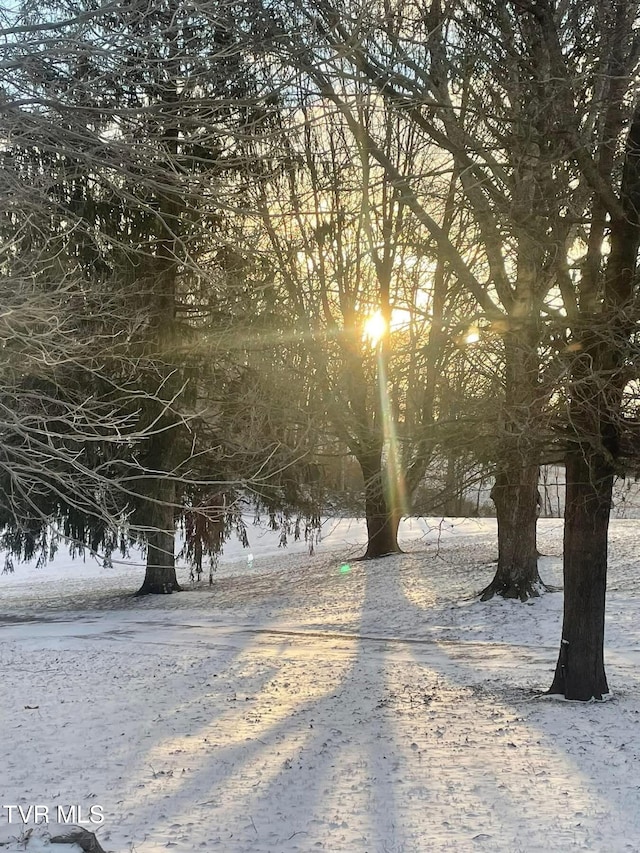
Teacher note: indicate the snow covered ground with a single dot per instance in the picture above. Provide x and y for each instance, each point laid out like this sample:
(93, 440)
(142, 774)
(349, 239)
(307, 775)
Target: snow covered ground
(314, 703)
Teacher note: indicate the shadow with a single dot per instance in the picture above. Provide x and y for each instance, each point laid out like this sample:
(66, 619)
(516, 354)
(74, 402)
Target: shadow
(318, 710)
(565, 775)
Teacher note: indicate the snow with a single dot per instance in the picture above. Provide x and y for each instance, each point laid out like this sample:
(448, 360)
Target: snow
(296, 705)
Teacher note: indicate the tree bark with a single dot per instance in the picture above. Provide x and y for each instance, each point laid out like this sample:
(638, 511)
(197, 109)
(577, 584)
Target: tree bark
(164, 448)
(515, 495)
(160, 574)
(595, 417)
(580, 670)
(382, 518)
(159, 522)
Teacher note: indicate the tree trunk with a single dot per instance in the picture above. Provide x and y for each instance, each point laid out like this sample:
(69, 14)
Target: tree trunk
(515, 495)
(382, 518)
(580, 669)
(164, 447)
(599, 381)
(160, 575)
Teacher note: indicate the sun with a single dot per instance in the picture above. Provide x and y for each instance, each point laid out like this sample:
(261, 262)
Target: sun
(375, 328)
(472, 336)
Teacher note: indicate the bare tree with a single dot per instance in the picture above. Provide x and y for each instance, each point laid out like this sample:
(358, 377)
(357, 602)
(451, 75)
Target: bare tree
(412, 60)
(354, 282)
(532, 102)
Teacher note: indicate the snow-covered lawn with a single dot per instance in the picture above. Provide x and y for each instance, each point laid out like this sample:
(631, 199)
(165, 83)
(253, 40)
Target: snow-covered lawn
(317, 703)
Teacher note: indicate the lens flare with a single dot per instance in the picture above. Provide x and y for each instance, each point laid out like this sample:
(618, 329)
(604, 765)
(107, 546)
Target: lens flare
(375, 328)
(395, 480)
(472, 336)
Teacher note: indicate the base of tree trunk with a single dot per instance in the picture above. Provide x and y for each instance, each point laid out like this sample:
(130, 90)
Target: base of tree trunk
(574, 690)
(372, 554)
(580, 677)
(159, 588)
(160, 574)
(522, 590)
(562, 696)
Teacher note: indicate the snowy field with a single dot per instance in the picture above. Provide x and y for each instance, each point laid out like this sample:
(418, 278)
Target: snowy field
(314, 703)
